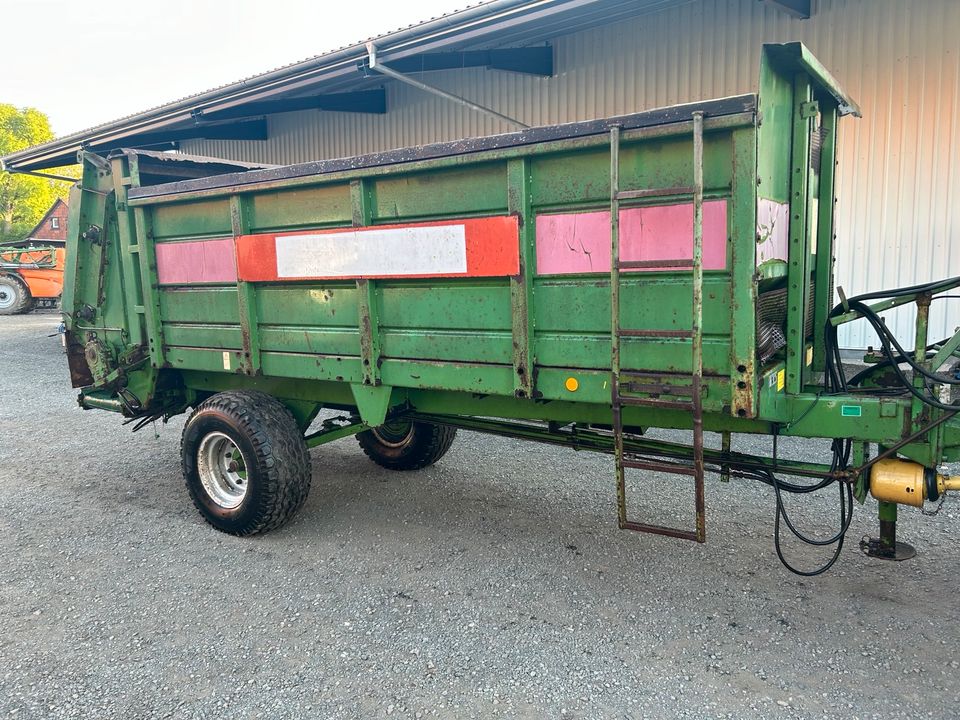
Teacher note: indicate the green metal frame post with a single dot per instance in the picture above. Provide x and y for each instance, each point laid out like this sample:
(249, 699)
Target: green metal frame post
(246, 293)
(743, 284)
(521, 285)
(798, 278)
(124, 177)
(368, 306)
(149, 283)
(823, 273)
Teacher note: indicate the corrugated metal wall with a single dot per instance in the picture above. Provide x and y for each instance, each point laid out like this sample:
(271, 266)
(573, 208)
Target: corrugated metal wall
(899, 187)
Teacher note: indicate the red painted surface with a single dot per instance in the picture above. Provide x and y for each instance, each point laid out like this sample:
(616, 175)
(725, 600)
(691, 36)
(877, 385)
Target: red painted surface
(580, 242)
(197, 261)
(492, 248)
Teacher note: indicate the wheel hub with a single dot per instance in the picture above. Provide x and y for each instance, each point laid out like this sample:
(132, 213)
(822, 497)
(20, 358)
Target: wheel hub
(222, 470)
(7, 295)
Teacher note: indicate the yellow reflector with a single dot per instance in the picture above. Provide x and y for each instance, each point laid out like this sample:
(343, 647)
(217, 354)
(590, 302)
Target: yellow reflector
(572, 384)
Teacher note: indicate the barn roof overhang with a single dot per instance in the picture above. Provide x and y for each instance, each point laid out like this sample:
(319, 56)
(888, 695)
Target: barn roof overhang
(507, 35)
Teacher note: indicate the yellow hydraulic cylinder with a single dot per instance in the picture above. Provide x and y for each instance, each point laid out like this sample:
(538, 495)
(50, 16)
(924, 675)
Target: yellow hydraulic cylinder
(908, 483)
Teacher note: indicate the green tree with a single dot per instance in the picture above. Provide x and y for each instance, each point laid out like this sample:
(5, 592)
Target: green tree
(24, 198)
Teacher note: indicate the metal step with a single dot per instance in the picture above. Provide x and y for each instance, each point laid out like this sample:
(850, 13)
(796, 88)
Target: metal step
(660, 530)
(655, 333)
(654, 192)
(659, 467)
(656, 402)
(668, 263)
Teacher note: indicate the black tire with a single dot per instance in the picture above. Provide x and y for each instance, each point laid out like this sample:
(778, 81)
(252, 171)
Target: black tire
(271, 479)
(405, 445)
(15, 296)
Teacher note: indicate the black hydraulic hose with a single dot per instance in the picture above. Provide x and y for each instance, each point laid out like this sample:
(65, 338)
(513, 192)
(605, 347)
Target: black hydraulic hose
(835, 381)
(841, 457)
(887, 338)
(846, 517)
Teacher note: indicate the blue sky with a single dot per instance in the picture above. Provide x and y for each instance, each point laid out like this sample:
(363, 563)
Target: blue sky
(85, 62)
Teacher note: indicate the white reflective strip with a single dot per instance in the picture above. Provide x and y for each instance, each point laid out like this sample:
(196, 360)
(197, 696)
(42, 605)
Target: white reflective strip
(432, 250)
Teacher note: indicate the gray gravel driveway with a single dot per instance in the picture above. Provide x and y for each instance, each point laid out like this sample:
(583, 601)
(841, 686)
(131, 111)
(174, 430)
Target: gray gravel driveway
(494, 584)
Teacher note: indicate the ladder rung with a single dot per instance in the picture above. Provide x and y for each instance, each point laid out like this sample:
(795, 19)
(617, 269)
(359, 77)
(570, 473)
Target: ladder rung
(634, 387)
(654, 192)
(659, 467)
(653, 376)
(655, 333)
(667, 263)
(660, 530)
(653, 402)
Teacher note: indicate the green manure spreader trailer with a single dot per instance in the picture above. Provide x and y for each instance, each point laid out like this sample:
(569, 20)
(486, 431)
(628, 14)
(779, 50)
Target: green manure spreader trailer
(573, 284)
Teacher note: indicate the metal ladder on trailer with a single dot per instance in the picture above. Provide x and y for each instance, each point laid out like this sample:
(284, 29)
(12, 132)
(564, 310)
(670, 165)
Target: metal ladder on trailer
(635, 388)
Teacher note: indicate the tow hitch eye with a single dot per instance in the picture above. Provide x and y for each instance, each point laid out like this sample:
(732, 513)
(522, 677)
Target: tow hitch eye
(908, 483)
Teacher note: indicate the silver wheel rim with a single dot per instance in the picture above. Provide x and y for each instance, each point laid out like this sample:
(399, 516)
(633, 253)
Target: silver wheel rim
(8, 294)
(222, 470)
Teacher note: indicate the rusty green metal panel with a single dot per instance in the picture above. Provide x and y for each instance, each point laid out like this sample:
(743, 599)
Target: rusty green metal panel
(478, 189)
(204, 218)
(314, 207)
(309, 305)
(206, 304)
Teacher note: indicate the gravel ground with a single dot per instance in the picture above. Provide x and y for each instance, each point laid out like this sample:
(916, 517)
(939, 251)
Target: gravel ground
(494, 584)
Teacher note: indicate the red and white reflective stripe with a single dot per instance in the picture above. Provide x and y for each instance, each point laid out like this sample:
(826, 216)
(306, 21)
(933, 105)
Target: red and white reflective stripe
(477, 247)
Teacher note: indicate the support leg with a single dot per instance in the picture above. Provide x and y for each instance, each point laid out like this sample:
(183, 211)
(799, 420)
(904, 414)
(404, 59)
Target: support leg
(886, 546)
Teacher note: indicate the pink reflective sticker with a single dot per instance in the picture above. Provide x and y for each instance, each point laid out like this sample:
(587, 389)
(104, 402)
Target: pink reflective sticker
(197, 261)
(580, 242)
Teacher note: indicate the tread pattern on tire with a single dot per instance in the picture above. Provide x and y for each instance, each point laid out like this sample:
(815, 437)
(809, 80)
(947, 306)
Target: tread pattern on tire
(430, 443)
(281, 457)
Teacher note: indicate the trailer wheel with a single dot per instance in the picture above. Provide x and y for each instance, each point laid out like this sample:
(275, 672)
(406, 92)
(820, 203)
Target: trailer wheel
(245, 462)
(406, 445)
(14, 296)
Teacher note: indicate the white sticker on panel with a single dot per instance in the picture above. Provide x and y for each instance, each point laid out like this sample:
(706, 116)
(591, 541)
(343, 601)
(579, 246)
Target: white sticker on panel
(433, 250)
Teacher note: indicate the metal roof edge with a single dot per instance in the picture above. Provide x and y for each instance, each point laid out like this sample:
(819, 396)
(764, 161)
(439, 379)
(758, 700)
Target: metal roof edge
(396, 41)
